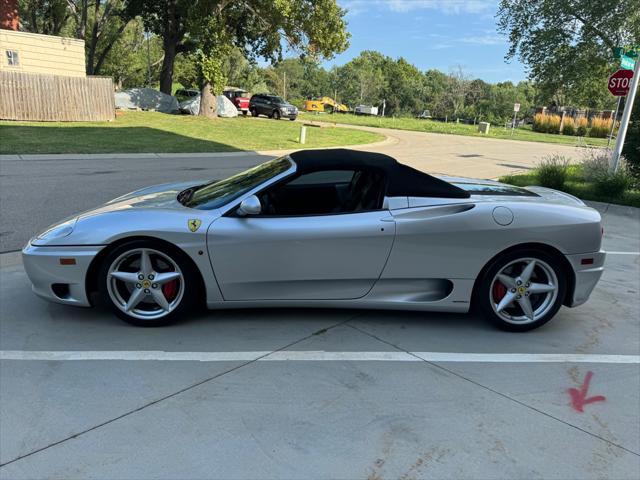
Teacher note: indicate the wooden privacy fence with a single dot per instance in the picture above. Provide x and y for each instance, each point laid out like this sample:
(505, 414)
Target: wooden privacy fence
(37, 97)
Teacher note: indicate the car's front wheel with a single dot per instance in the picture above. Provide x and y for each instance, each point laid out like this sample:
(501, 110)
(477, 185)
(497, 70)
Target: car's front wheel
(148, 284)
(276, 115)
(522, 290)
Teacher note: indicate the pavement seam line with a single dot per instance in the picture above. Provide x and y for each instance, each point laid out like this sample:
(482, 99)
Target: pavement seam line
(176, 393)
(496, 392)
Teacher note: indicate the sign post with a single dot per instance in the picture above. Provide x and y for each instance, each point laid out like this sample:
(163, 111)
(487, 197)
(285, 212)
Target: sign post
(626, 115)
(516, 109)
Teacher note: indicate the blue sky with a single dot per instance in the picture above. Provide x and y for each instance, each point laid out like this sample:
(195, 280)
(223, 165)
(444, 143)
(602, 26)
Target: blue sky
(438, 34)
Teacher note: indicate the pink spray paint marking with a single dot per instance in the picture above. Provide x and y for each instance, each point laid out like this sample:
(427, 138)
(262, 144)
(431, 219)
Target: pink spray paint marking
(579, 397)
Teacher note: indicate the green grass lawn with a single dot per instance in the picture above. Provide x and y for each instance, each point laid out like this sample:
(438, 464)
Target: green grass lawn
(431, 126)
(152, 132)
(577, 186)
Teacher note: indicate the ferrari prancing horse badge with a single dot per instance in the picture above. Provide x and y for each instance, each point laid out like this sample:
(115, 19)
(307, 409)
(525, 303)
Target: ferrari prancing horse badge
(194, 224)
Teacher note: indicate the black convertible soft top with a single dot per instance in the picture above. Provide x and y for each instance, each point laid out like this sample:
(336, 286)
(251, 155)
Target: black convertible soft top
(402, 180)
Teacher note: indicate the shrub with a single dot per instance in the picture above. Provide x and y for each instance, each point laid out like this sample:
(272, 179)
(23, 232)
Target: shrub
(581, 126)
(546, 123)
(569, 126)
(552, 171)
(594, 164)
(600, 127)
(595, 169)
(613, 185)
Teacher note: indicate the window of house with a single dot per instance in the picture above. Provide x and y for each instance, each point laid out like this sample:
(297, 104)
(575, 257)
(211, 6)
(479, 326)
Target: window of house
(12, 58)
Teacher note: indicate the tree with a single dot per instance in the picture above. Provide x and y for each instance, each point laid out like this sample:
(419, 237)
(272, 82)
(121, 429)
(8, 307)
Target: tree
(48, 17)
(100, 24)
(257, 27)
(568, 45)
(132, 56)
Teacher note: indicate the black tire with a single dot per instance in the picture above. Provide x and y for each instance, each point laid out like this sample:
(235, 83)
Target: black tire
(190, 277)
(275, 115)
(293, 119)
(484, 296)
(254, 112)
(244, 113)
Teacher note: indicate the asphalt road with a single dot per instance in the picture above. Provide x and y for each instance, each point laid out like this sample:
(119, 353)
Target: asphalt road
(323, 393)
(36, 192)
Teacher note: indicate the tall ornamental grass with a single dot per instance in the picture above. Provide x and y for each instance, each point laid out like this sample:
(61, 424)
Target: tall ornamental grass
(600, 127)
(569, 126)
(546, 123)
(582, 125)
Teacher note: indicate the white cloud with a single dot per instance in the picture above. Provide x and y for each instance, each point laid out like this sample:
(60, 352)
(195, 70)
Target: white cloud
(446, 6)
(483, 39)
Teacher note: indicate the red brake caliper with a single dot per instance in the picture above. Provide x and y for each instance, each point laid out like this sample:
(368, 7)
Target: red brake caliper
(499, 291)
(170, 289)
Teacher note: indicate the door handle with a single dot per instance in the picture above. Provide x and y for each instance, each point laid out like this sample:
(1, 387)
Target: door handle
(387, 219)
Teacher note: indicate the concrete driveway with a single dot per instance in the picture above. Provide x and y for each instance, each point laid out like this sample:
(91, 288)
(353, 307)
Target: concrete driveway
(319, 394)
(475, 157)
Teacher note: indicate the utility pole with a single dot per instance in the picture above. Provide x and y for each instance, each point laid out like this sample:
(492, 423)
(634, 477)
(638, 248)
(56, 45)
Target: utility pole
(148, 35)
(284, 85)
(626, 115)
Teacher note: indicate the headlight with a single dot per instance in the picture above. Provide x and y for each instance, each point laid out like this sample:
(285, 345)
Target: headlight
(283, 109)
(58, 231)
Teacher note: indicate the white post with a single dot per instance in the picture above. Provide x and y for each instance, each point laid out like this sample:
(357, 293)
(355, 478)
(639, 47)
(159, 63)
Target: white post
(613, 124)
(626, 115)
(303, 134)
(284, 85)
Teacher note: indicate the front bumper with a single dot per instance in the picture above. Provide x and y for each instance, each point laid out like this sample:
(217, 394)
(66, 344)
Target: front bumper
(56, 282)
(586, 275)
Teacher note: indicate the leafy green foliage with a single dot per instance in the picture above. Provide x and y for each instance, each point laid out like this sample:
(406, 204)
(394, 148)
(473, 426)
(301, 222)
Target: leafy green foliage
(552, 171)
(568, 45)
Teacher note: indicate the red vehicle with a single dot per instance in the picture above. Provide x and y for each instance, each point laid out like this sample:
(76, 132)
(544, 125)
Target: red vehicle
(239, 97)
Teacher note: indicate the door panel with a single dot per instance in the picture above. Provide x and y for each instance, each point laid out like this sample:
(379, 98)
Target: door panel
(300, 258)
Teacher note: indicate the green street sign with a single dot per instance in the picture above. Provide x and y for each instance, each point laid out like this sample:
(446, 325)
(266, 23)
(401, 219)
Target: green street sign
(627, 63)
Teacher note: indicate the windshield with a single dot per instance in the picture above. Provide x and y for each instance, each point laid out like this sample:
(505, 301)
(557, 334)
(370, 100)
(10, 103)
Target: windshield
(221, 192)
(275, 99)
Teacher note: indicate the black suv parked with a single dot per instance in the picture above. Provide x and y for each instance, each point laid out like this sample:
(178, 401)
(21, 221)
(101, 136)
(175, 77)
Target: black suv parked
(272, 106)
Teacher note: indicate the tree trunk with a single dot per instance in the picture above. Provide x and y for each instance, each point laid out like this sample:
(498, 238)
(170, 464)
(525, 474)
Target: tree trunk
(208, 102)
(166, 73)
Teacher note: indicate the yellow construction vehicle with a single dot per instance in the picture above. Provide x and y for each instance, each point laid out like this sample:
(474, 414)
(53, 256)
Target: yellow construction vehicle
(325, 104)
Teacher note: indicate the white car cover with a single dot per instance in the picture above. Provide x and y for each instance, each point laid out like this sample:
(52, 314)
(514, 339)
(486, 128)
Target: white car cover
(225, 107)
(146, 99)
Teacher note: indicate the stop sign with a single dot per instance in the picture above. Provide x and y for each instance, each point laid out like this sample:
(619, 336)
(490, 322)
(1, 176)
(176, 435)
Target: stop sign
(619, 82)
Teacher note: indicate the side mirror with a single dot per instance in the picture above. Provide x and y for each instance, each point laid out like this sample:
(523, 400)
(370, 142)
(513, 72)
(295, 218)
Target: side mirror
(250, 206)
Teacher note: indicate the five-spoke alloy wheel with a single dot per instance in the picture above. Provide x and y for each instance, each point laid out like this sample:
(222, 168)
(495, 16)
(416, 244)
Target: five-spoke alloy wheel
(522, 290)
(146, 284)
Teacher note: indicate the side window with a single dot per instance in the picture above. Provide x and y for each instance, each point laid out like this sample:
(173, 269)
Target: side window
(12, 58)
(324, 176)
(325, 192)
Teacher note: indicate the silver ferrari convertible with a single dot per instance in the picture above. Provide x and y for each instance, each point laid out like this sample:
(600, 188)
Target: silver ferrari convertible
(326, 228)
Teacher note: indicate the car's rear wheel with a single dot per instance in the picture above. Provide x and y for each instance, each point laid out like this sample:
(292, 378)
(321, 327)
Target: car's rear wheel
(254, 112)
(147, 284)
(276, 115)
(522, 290)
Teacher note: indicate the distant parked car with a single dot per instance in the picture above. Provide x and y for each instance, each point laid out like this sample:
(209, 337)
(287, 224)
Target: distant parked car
(239, 97)
(272, 106)
(183, 94)
(425, 114)
(366, 110)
